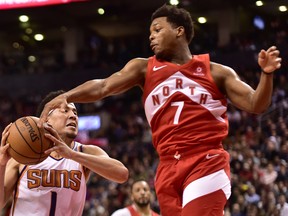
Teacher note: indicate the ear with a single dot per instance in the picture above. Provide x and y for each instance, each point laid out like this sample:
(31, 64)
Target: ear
(180, 31)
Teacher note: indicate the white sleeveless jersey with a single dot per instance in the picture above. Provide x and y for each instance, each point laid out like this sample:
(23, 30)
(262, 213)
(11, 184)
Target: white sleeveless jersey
(52, 187)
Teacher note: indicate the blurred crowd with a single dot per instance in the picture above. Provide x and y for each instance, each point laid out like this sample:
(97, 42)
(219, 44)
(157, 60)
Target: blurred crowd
(258, 144)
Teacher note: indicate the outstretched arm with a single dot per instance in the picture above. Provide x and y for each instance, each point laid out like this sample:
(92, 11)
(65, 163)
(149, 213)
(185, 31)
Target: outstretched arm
(131, 75)
(241, 94)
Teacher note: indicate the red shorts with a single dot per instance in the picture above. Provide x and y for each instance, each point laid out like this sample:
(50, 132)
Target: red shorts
(185, 181)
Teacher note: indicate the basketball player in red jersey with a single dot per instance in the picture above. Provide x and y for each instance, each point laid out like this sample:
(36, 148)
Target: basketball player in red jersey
(57, 185)
(141, 198)
(185, 100)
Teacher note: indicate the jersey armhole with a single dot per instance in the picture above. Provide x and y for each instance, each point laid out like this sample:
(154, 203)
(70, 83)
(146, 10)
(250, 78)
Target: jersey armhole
(86, 171)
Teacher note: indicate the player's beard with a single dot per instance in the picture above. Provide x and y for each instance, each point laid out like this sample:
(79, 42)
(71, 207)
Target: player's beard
(142, 202)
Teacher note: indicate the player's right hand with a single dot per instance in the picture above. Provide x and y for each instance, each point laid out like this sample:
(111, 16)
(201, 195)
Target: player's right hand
(4, 156)
(59, 145)
(51, 105)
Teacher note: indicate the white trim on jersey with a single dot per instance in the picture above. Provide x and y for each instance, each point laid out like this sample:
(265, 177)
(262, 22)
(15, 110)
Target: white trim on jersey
(215, 107)
(207, 184)
(122, 212)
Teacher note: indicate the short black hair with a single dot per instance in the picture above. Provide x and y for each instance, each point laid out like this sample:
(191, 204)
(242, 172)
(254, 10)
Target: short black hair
(177, 17)
(138, 180)
(46, 99)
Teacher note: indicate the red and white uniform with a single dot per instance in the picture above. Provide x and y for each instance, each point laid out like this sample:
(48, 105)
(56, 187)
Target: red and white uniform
(187, 115)
(52, 187)
(130, 211)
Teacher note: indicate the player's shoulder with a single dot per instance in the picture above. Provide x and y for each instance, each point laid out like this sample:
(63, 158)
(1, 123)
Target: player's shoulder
(121, 212)
(137, 67)
(221, 70)
(221, 74)
(138, 62)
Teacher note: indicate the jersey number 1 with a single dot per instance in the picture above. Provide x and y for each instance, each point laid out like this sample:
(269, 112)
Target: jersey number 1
(53, 203)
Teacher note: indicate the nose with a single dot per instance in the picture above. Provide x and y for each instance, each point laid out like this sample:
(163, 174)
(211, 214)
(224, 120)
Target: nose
(73, 115)
(151, 37)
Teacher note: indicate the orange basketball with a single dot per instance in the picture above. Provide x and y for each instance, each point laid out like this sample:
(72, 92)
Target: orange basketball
(27, 141)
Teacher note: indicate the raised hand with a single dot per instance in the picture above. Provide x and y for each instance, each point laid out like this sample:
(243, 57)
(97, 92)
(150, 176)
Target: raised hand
(59, 145)
(4, 156)
(269, 60)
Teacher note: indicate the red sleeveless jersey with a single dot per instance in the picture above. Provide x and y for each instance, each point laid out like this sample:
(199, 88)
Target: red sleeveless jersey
(184, 107)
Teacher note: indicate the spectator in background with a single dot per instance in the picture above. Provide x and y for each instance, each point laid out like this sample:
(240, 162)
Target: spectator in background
(141, 197)
(251, 197)
(269, 175)
(236, 211)
(282, 205)
(282, 173)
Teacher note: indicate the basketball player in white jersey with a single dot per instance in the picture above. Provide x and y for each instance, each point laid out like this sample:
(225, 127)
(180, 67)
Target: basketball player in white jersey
(56, 186)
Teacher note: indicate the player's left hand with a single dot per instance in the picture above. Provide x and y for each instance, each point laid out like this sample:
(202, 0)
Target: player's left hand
(59, 145)
(269, 60)
(4, 156)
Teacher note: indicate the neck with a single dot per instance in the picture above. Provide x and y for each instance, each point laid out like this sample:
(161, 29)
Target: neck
(143, 211)
(182, 56)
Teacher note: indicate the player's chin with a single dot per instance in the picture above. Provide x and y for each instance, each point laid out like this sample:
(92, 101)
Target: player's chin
(144, 200)
(156, 50)
(143, 203)
(72, 135)
(159, 55)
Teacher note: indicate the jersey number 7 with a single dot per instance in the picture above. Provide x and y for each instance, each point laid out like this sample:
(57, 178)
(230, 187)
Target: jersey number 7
(180, 105)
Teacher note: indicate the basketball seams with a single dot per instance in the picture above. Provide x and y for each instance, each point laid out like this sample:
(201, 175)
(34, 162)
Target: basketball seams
(40, 135)
(25, 155)
(17, 127)
(27, 141)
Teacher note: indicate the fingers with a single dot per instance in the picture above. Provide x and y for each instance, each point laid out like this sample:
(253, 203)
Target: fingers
(262, 54)
(274, 54)
(43, 117)
(273, 51)
(6, 128)
(54, 140)
(48, 151)
(272, 48)
(59, 146)
(279, 63)
(47, 110)
(52, 134)
(5, 135)
(6, 146)
(269, 60)
(50, 106)
(49, 128)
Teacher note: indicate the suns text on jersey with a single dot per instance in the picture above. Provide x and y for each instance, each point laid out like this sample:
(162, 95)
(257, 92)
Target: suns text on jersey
(54, 178)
